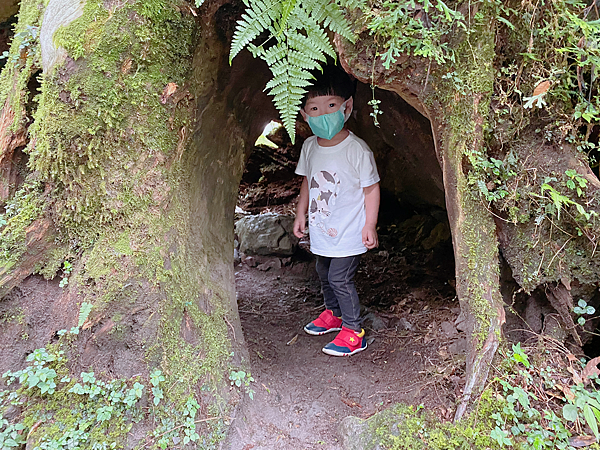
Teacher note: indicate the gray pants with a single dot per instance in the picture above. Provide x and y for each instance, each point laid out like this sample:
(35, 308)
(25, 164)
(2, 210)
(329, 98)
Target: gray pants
(337, 283)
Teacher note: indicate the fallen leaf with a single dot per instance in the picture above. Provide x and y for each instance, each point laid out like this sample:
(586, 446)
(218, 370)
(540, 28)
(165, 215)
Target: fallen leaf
(350, 403)
(590, 370)
(566, 391)
(571, 357)
(581, 441)
(169, 90)
(126, 66)
(576, 377)
(566, 282)
(541, 88)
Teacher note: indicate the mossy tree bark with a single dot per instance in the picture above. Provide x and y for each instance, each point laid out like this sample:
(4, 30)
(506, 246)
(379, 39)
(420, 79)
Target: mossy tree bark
(458, 118)
(136, 149)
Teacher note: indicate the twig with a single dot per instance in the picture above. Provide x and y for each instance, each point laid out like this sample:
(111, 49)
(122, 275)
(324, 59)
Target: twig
(231, 326)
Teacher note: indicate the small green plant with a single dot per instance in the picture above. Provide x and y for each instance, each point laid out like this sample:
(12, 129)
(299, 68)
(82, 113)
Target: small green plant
(38, 376)
(242, 379)
(66, 270)
(11, 435)
(26, 40)
(156, 378)
(529, 418)
(582, 309)
(576, 182)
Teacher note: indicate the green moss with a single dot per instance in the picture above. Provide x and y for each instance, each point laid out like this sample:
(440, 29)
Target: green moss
(22, 210)
(403, 427)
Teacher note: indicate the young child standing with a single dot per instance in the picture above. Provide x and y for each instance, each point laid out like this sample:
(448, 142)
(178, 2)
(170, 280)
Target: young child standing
(340, 192)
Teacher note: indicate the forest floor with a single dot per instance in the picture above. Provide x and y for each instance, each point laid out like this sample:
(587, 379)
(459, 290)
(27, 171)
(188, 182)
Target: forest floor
(415, 353)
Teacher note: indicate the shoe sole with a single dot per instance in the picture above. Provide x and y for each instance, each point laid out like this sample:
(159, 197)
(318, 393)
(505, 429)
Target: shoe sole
(321, 333)
(330, 352)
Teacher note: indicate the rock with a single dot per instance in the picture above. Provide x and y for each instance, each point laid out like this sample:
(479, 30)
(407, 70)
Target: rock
(355, 434)
(461, 322)
(250, 261)
(376, 322)
(267, 234)
(440, 233)
(448, 328)
(404, 324)
(458, 347)
(554, 328)
(286, 261)
(272, 264)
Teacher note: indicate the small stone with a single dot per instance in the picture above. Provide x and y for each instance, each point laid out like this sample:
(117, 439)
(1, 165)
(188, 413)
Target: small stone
(404, 324)
(448, 328)
(461, 322)
(376, 322)
(271, 264)
(458, 347)
(250, 261)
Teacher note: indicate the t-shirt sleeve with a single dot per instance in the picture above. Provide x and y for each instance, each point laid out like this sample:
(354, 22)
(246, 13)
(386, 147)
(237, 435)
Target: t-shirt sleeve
(367, 168)
(302, 166)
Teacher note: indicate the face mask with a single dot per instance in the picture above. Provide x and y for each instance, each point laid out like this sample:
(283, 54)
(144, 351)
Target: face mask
(327, 126)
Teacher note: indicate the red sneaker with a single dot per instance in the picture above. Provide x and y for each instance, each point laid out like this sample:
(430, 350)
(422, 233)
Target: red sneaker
(325, 323)
(346, 343)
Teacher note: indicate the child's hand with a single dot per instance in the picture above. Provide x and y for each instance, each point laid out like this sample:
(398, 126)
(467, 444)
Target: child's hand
(300, 226)
(369, 237)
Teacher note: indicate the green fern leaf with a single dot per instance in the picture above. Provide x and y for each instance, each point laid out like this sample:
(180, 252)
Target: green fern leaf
(287, 89)
(301, 60)
(258, 18)
(304, 45)
(274, 54)
(337, 23)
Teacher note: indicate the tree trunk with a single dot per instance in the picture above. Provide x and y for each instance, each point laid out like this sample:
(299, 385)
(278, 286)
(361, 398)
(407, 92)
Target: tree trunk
(136, 152)
(457, 116)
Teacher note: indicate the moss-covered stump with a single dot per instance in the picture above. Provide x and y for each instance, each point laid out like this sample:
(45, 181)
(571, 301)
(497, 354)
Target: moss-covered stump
(136, 150)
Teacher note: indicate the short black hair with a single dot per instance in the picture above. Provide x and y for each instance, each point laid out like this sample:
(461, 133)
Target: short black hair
(331, 81)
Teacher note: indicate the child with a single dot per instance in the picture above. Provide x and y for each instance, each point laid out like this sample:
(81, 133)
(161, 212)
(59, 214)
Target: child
(340, 191)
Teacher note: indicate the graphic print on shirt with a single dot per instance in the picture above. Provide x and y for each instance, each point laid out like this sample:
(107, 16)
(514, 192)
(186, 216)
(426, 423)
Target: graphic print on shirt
(324, 188)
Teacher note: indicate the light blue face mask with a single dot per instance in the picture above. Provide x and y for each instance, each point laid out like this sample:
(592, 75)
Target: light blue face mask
(326, 126)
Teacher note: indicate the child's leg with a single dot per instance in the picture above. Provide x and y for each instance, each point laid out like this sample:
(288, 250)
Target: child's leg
(331, 301)
(341, 281)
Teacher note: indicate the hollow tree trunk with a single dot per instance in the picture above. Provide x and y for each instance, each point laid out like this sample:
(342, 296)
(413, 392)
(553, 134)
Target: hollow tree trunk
(457, 115)
(136, 152)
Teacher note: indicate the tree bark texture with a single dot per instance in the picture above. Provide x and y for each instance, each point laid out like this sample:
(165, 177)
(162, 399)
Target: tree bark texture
(137, 146)
(457, 120)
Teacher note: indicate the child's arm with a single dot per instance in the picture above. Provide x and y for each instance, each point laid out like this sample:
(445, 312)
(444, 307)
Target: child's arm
(301, 210)
(369, 231)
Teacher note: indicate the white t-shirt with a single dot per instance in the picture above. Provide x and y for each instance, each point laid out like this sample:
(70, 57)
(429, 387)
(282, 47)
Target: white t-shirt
(336, 209)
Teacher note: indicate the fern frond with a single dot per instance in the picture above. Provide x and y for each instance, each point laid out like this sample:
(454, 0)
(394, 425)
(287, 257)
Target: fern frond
(314, 33)
(274, 54)
(259, 17)
(287, 89)
(305, 46)
(301, 60)
(336, 22)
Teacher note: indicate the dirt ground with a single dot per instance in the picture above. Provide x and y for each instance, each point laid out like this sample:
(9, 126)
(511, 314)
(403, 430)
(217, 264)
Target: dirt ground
(415, 353)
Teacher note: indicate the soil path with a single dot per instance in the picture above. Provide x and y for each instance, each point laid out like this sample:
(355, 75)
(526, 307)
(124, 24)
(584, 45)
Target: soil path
(301, 394)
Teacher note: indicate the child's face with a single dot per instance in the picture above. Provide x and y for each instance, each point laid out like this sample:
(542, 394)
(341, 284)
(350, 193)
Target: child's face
(324, 104)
